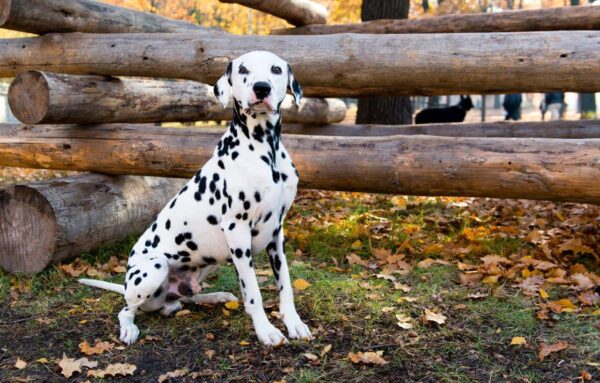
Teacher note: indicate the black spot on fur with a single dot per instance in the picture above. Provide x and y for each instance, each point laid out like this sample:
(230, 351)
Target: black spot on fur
(224, 208)
(267, 217)
(221, 164)
(183, 190)
(254, 232)
(212, 219)
(209, 260)
(173, 203)
(246, 205)
(137, 281)
(251, 147)
(192, 245)
(257, 196)
(157, 265)
(168, 224)
(248, 253)
(145, 251)
(234, 155)
(232, 226)
(154, 227)
(266, 159)
(156, 241)
(239, 253)
(158, 292)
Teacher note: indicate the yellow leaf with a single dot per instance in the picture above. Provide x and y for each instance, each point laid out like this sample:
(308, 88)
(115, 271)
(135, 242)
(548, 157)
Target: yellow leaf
(326, 349)
(517, 340)
(182, 313)
(226, 312)
(597, 312)
(368, 357)
(311, 357)
(300, 284)
(544, 294)
(232, 305)
(356, 244)
(434, 317)
(20, 364)
(173, 374)
(98, 348)
(42, 360)
(244, 343)
(490, 280)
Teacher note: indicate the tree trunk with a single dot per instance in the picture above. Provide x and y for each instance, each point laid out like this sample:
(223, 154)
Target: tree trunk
(49, 221)
(543, 129)
(47, 16)
(42, 97)
(352, 63)
(552, 19)
(385, 110)
(531, 168)
(296, 12)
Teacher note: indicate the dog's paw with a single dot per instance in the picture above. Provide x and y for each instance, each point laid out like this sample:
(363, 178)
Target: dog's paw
(171, 308)
(129, 334)
(296, 328)
(227, 297)
(270, 335)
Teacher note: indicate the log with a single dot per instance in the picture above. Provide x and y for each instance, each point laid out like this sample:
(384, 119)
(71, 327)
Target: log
(470, 63)
(552, 19)
(47, 16)
(49, 221)
(49, 98)
(295, 12)
(530, 168)
(539, 129)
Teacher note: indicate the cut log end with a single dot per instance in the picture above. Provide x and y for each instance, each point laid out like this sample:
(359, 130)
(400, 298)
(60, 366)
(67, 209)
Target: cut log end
(28, 97)
(27, 230)
(4, 11)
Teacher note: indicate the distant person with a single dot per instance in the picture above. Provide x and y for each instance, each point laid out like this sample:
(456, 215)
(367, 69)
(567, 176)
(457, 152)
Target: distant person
(455, 113)
(512, 106)
(554, 102)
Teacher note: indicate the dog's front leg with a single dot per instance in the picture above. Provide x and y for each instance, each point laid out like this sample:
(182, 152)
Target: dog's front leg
(239, 242)
(296, 328)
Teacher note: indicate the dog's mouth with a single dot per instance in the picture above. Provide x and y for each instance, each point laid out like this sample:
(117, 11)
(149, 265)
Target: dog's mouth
(263, 105)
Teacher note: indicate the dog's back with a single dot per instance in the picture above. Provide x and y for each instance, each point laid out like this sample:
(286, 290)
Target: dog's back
(456, 113)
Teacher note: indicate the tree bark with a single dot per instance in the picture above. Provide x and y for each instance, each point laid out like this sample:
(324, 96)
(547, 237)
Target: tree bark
(47, 16)
(41, 97)
(296, 12)
(531, 168)
(544, 129)
(385, 110)
(400, 64)
(49, 221)
(552, 19)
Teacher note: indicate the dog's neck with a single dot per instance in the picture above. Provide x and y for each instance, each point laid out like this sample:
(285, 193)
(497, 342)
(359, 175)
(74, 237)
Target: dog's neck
(260, 127)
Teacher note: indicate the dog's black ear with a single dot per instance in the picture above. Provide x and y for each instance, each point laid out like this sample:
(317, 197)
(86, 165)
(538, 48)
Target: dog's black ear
(293, 86)
(222, 88)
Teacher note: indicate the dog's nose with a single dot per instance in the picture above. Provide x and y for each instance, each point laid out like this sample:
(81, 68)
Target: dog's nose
(261, 89)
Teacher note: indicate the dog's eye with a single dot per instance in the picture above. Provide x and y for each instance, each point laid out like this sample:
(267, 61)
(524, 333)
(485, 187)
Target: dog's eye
(275, 70)
(243, 70)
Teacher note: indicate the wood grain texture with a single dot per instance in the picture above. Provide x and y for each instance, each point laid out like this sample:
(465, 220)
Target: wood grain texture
(405, 64)
(47, 16)
(295, 12)
(552, 19)
(48, 98)
(531, 168)
(542, 129)
(50, 221)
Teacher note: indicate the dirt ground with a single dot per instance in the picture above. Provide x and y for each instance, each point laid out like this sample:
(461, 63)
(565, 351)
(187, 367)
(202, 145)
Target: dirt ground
(400, 289)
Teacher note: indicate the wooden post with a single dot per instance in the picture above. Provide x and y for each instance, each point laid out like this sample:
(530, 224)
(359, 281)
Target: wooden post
(47, 16)
(295, 12)
(49, 221)
(470, 63)
(531, 168)
(42, 97)
(552, 19)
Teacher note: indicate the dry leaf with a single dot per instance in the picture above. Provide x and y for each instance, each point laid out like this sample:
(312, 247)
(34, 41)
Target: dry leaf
(434, 317)
(518, 340)
(20, 364)
(113, 370)
(386, 310)
(232, 305)
(326, 349)
(182, 313)
(70, 270)
(589, 298)
(173, 374)
(210, 336)
(562, 305)
(244, 343)
(546, 349)
(585, 375)
(209, 354)
(69, 366)
(581, 282)
(356, 244)
(98, 348)
(354, 259)
(300, 284)
(368, 357)
(42, 360)
(544, 294)
(311, 357)
(430, 262)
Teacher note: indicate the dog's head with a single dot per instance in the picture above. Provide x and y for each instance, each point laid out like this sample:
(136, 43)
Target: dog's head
(257, 81)
(465, 102)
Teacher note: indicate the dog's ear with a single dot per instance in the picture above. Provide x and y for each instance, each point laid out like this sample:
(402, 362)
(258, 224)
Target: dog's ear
(222, 88)
(293, 85)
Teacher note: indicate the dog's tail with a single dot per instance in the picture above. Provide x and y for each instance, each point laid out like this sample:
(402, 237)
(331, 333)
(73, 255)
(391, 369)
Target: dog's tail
(104, 285)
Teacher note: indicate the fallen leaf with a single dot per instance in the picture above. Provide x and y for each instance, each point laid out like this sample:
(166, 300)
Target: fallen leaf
(518, 340)
(581, 282)
(210, 336)
(368, 357)
(232, 305)
(354, 259)
(386, 310)
(182, 313)
(98, 348)
(402, 287)
(356, 244)
(406, 299)
(544, 294)
(311, 357)
(434, 317)
(546, 349)
(209, 354)
(562, 305)
(20, 364)
(585, 375)
(576, 246)
(69, 366)
(589, 298)
(301, 284)
(244, 343)
(42, 360)
(113, 370)
(173, 374)
(325, 350)
(72, 271)
(426, 263)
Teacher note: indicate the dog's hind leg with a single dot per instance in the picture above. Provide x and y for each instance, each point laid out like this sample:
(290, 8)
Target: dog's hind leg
(296, 328)
(210, 298)
(239, 242)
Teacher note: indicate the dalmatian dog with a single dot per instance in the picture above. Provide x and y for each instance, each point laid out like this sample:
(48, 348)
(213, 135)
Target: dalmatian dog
(232, 208)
